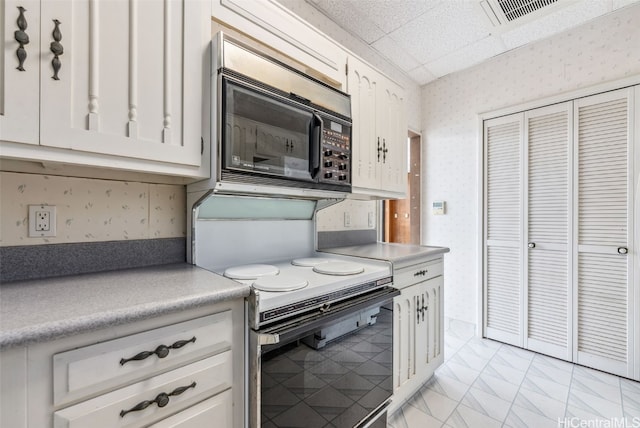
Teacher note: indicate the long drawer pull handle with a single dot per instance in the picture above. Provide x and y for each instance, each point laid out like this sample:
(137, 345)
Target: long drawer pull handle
(57, 49)
(161, 351)
(421, 272)
(22, 38)
(161, 400)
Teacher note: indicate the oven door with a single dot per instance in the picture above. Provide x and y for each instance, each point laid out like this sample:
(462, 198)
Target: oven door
(328, 369)
(267, 135)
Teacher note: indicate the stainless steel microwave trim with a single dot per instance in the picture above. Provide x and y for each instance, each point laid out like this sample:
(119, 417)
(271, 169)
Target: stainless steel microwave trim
(236, 56)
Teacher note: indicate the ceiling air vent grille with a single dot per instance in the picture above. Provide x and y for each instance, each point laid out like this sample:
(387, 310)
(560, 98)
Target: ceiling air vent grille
(514, 9)
(507, 14)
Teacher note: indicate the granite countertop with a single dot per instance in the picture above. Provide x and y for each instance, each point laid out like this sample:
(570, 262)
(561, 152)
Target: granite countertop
(399, 255)
(41, 310)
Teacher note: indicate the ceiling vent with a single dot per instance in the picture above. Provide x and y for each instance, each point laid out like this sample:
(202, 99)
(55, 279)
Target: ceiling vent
(506, 14)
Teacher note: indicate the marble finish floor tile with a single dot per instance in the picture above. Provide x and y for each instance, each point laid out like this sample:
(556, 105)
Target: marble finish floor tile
(486, 384)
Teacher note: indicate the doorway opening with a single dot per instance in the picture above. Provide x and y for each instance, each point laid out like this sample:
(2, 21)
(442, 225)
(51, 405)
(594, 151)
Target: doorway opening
(402, 216)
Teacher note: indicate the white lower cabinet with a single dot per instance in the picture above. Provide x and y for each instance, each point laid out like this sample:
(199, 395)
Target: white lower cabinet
(184, 370)
(418, 328)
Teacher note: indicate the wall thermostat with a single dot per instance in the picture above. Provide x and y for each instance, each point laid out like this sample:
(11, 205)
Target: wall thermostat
(439, 207)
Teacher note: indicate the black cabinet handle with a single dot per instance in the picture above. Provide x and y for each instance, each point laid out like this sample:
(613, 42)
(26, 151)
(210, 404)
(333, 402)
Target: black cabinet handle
(161, 351)
(161, 400)
(379, 149)
(57, 49)
(384, 150)
(421, 272)
(22, 38)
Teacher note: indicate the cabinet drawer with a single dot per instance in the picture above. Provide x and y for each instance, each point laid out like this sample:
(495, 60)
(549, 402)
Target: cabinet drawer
(184, 386)
(215, 409)
(96, 368)
(417, 273)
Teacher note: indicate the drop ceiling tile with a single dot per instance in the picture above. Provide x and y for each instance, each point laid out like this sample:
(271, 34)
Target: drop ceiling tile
(342, 13)
(421, 75)
(395, 53)
(556, 22)
(467, 56)
(389, 15)
(443, 29)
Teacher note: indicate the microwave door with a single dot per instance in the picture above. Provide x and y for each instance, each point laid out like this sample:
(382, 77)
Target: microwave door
(265, 135)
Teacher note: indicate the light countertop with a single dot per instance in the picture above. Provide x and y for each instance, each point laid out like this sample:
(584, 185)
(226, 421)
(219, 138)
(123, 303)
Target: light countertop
(399, 255)
(47, 309)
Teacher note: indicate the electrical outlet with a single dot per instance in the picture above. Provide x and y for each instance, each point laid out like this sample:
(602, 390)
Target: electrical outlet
(347, 219)
(42, 220)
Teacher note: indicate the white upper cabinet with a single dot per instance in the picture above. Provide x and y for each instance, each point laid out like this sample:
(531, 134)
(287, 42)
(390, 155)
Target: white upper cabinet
(20, 80)
(121, 83)
(379, 135)
(275, 26)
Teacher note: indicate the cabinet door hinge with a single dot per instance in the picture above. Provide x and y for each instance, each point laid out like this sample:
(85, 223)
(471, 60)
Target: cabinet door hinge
(346, 69)
(201, 145)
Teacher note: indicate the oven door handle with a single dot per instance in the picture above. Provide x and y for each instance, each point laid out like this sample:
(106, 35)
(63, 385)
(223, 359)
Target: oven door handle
(293, 330)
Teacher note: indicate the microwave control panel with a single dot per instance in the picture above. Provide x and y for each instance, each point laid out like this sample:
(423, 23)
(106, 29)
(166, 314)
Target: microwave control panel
(335, 156)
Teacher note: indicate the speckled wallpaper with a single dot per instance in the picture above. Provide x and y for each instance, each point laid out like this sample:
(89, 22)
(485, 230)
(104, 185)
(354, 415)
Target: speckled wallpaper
(90, 210)
(605, 49)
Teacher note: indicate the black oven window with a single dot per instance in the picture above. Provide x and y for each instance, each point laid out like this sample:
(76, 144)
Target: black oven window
(335, 385)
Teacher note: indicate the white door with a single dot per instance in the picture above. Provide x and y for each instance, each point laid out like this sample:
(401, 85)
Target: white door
(604, 218)
(129, 81)
(503, 251)
(20, 83)
(547, 286)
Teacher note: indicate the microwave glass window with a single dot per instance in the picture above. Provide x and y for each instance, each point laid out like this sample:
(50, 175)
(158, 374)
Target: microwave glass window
(263, 135)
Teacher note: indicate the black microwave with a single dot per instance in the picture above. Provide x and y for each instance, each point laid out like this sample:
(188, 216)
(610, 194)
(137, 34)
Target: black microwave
(278, 130)
(281, 140)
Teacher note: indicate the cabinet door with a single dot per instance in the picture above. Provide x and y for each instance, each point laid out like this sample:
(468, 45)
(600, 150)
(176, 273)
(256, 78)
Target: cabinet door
(362, 85)
(130, 78)
(604, 201)
(403, 343)
(548, 160)
(503, 229)
(215, 411)
(19, 89)
(391, 128)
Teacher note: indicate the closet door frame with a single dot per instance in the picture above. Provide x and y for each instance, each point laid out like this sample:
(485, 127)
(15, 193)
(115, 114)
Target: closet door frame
(481, 219)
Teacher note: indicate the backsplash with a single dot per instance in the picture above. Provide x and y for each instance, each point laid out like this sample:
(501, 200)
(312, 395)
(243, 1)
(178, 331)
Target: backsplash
(333, 218)
(91, 210)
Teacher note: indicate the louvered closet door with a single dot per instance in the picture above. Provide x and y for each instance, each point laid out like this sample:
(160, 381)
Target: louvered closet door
(604, 180)
(503, 229)
(547, 235)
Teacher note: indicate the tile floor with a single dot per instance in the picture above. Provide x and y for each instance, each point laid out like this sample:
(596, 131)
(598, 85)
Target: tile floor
(485, 384)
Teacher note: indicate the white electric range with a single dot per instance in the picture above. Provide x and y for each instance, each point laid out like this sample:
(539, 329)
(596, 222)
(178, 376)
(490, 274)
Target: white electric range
(291, 287)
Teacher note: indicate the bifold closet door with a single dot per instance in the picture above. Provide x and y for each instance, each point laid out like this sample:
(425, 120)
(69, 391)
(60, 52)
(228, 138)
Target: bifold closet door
(604, 182)
(503, 298)
(547, 252)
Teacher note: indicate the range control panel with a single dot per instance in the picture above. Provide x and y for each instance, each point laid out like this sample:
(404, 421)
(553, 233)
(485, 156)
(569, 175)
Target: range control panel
(335, 156)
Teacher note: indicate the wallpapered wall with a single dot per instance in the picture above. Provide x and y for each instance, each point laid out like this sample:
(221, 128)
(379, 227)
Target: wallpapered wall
(90, 210)
(603, 50)
(332, 218)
